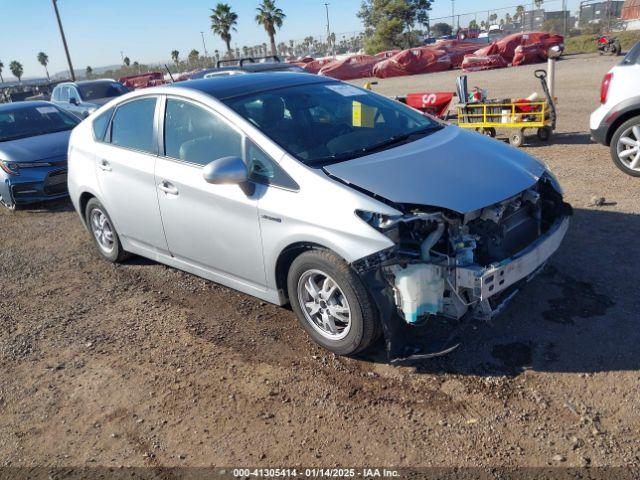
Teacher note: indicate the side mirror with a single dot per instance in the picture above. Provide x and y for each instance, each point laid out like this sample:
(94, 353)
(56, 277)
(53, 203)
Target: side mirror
(226, 170)
(73, 101)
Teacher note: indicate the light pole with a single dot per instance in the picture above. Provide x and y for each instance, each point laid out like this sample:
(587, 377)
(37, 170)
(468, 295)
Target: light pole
(333, 50)
(453, 15)
(204, 45)
(64, 40)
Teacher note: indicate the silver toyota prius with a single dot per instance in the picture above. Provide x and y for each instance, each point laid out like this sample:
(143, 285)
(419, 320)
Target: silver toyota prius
(362, 213)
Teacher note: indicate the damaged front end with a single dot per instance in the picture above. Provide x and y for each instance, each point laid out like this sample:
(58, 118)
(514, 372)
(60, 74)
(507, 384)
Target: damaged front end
(446, 267)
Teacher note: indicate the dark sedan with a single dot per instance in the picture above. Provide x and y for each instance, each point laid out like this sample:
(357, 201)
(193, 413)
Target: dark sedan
(34, 137)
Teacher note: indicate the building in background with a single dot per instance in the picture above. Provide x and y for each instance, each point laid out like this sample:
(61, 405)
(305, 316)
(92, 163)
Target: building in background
(599, 11)
(533, 19)
(631, 10)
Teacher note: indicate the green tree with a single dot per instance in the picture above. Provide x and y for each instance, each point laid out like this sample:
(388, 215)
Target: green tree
(473, 24)
(17, 69)
(271, 18)
(175, 56)
(223, 22)
(127, 61)
(493, 17)
(538, 4)
(1, 67)
(519, 16)
(88, 72)
(194, 56)
(441, 29)
(43, 59)
(389, 23)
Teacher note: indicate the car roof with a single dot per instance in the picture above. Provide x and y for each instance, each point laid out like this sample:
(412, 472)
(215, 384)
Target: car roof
(88, 82)
(19, 105)
(230, 86)
(251, 68)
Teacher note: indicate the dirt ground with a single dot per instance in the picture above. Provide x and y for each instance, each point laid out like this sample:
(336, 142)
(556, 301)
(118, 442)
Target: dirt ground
(143, 365)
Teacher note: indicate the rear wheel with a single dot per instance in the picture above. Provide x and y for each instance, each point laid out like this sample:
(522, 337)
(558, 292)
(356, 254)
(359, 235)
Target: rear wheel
(331, 303)
(544, 134)
(625, 147)
(103, 232)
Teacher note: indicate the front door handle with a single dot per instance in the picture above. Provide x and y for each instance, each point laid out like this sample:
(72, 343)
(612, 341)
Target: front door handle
(168, 188)
(105, 165)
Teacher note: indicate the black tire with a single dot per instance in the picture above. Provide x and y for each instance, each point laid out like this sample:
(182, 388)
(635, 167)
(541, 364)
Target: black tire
(544, 134)
(117, 254)
(489, 132)
(632, 122)
(364, 326)
(516, 138)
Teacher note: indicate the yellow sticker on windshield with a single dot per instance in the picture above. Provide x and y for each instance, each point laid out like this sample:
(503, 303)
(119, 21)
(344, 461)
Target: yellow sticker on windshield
(363, 116)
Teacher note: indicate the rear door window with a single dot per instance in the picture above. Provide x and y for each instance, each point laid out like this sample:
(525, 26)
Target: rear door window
(132, 125)
(100, 124)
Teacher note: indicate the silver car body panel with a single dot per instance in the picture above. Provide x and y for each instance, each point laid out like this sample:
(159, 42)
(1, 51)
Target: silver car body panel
(451, 168)
(274, 219)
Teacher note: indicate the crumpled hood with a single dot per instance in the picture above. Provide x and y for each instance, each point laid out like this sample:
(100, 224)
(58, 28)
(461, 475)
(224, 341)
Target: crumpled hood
(32, 149)
(451, 168)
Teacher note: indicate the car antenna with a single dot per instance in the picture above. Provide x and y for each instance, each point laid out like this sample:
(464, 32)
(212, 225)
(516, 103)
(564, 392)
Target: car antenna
(169, 72)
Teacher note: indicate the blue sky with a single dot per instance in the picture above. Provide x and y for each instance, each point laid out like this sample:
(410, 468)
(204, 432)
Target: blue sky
(147, 30)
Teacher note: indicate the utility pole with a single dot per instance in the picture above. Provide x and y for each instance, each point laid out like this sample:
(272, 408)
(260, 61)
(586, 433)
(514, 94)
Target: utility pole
(333, 48)
(204, 45)
(453, 15)
(64, 40)
(564, 17)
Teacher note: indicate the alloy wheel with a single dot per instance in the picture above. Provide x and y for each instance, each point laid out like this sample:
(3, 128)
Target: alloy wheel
(628, 148)
(102, 230)
(324, 305)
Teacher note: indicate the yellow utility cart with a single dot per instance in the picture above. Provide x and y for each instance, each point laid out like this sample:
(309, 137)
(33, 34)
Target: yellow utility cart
(516, 117)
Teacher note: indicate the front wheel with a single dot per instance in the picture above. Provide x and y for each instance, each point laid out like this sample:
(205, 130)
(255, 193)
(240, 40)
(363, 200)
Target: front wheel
(103, 232)
(516, 138)
(625, 147)
(331, 303)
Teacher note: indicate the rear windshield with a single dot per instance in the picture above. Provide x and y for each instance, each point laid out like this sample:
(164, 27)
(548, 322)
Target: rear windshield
(331, 122)
(94, 91)
(23, 122)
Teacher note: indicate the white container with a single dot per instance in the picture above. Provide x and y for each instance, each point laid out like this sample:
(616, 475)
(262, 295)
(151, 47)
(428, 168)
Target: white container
(421, 288)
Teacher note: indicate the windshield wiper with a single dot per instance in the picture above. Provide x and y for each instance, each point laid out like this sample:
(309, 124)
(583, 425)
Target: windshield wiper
(377, 147)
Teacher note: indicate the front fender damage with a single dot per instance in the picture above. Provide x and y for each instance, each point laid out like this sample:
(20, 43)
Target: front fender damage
(447, 270)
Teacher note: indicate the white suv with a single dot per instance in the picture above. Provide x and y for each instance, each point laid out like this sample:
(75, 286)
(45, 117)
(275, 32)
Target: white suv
(616, 123)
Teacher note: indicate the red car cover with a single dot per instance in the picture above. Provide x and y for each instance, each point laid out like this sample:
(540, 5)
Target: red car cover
(475, 62)
(350, 68)
(413, 61)
(315, 65)
(530, 54)
(456, 50)
(506, 46)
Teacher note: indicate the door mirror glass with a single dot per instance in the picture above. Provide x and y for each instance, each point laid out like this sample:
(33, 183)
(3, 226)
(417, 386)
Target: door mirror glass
(73, 101)
(225, 170)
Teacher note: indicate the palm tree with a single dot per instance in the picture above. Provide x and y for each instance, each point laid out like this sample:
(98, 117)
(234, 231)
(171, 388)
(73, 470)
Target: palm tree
(127, 61)
(193, 57)
(88, 72)
(175, 56)
(538, 3)
(43, 58)
(16, 69)
(223, 22)
(1, 67)
(270, 17)
(519, 16)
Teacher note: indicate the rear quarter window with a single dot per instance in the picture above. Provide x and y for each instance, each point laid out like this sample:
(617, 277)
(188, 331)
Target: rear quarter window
(100, 125)
(633, 56)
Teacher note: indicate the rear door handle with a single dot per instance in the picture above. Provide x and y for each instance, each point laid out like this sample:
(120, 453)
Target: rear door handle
(168, 188)
(105, 165)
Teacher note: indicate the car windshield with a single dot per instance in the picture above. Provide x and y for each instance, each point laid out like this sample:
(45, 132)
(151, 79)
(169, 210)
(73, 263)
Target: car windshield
(31, 121)
(94, 91)
(332, 122)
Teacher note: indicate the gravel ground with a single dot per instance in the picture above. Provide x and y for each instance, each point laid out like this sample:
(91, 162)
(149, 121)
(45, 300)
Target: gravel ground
(143, 365)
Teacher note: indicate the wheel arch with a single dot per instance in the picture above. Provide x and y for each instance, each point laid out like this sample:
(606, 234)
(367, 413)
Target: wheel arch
(619, 120)
(287, 257)
(82, 204)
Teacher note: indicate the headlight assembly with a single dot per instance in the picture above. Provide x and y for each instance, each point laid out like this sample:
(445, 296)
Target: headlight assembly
(11, 168)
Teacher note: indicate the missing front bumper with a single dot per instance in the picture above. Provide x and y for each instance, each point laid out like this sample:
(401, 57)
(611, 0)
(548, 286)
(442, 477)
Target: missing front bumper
(487, 282)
